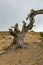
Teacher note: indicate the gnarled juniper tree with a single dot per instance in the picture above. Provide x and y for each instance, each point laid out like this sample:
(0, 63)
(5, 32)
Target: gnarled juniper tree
(19, 35)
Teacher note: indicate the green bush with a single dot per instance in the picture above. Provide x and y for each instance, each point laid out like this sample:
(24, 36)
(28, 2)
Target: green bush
(32, 31)
(41, 44)
(41, 34)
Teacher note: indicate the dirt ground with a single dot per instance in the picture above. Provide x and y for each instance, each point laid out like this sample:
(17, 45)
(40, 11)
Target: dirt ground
(33, 55)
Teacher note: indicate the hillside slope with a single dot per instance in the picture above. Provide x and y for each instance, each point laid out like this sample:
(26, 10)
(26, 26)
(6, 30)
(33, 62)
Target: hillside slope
(33, 55)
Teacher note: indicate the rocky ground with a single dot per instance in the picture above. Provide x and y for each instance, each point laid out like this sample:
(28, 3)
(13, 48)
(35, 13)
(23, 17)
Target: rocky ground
(33, 55)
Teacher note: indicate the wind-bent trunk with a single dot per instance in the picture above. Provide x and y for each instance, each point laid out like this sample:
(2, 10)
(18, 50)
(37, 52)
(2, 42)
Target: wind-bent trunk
(19, 36)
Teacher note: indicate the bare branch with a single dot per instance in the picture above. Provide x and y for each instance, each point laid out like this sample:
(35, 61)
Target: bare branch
(12, 32)
(31, 18)
(19, 35)
(34, 13)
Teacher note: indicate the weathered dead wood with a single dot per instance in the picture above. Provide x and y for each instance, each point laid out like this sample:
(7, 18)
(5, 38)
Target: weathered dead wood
(19, 35)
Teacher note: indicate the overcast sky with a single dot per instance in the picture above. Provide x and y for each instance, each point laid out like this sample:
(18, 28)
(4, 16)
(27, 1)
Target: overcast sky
(15, 11)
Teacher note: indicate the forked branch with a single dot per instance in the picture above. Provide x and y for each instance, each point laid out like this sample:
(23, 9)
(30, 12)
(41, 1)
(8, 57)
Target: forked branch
(31, 18)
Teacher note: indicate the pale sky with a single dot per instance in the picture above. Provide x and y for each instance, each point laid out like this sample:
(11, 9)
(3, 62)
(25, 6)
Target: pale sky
(15, 11)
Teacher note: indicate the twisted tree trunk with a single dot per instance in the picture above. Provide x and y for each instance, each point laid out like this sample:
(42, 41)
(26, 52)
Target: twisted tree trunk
(19, 36)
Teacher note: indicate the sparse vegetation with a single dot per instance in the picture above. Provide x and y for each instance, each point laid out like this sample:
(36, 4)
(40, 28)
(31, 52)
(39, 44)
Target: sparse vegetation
(32, 31)
(41, 34)
(41, 44)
